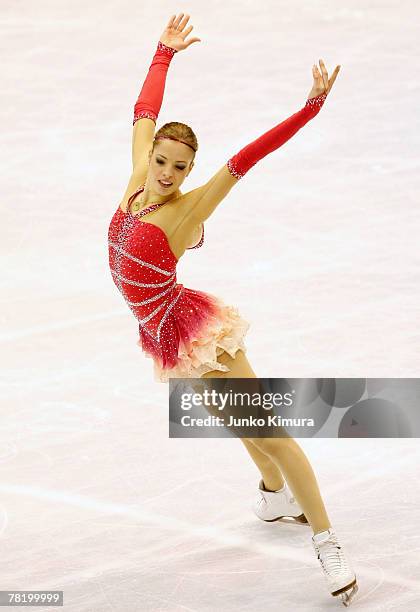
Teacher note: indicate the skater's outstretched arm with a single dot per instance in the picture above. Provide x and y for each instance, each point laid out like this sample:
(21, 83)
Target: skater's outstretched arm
(207, 197)
(149, 102)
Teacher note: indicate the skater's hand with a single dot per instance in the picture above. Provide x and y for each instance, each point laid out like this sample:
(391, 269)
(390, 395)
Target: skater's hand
(174, 34)
(321, 82)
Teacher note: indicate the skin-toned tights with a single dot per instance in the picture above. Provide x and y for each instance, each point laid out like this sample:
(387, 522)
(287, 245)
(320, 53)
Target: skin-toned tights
(279, 458)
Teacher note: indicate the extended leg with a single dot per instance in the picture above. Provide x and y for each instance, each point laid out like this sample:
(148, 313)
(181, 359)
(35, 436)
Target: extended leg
(284, 452)
(300, 477)
(270, 472)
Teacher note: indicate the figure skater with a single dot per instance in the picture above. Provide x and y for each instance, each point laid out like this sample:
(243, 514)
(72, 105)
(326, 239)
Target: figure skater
(189, 333)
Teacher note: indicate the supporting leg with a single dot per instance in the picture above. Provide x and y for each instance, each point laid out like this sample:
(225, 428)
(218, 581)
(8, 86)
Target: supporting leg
(270, 472)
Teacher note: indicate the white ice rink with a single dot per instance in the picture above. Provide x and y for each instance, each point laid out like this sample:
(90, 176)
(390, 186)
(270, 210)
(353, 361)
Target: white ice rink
(317, 246)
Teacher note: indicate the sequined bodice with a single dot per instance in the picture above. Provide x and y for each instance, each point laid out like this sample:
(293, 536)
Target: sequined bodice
(143, 267)
(153, 207)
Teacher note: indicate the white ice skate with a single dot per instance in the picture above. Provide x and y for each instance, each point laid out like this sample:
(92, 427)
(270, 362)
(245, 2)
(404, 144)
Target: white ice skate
(278, 506)
(340, 577)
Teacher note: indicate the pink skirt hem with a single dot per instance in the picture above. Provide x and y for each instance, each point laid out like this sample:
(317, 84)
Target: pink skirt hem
(199, 355)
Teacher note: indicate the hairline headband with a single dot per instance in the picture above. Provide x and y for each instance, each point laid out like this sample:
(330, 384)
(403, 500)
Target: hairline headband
(178, 139)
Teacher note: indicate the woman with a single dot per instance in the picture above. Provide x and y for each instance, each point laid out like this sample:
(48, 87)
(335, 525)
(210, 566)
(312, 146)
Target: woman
(190, 333)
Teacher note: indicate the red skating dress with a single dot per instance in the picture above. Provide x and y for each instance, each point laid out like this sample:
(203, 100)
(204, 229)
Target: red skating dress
(183, 330)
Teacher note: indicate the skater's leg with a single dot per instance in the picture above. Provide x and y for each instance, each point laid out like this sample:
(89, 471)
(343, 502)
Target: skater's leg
(284, 452)
(300, 478)
(270, 472)
(287, 454)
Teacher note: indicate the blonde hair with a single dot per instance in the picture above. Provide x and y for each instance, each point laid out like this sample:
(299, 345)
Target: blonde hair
(177, 131)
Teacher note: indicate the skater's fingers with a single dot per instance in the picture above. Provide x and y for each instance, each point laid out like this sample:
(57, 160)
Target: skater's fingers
(171, 21)
(193, 40)
(316, 74)
(178, 20)
(324, 74)
(183, 22)
(187, 31)
(333, 76)
(318, 82)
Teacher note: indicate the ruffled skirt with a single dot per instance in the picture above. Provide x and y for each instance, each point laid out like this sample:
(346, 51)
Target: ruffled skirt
(210, 328)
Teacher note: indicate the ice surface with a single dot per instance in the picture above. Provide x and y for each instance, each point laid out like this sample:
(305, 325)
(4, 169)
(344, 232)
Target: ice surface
(317, 246)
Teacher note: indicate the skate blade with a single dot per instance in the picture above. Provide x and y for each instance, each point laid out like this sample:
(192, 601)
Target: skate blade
(299, 520)
(347, 593)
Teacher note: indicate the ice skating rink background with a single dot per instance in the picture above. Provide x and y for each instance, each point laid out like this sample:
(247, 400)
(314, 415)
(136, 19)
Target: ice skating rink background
(317, 246)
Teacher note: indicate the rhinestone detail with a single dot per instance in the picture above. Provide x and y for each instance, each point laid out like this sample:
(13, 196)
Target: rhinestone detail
(316, 102)
(122, 253)
(233, 170)
(152, 299)
(145, 113)
(200, 243)
(170, 51)
(151, 315)
(146, 264)
(137, 284)
(171, 305)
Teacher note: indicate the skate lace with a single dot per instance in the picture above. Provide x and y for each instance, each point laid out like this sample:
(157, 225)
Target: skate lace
(332, 557)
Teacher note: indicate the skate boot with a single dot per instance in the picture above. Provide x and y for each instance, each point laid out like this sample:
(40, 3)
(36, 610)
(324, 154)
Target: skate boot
(277, 506)
(340, 577)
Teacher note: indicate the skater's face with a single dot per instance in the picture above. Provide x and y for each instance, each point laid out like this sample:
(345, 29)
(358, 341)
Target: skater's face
(170, 162)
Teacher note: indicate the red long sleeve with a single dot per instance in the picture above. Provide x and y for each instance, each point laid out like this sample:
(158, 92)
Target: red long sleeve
(150, 98)
(247, 157)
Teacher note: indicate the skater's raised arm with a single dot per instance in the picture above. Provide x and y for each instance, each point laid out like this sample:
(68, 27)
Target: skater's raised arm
(149, 102)
(207, 197)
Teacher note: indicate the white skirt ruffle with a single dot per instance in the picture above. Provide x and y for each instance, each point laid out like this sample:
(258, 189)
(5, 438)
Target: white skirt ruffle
(200, 355)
